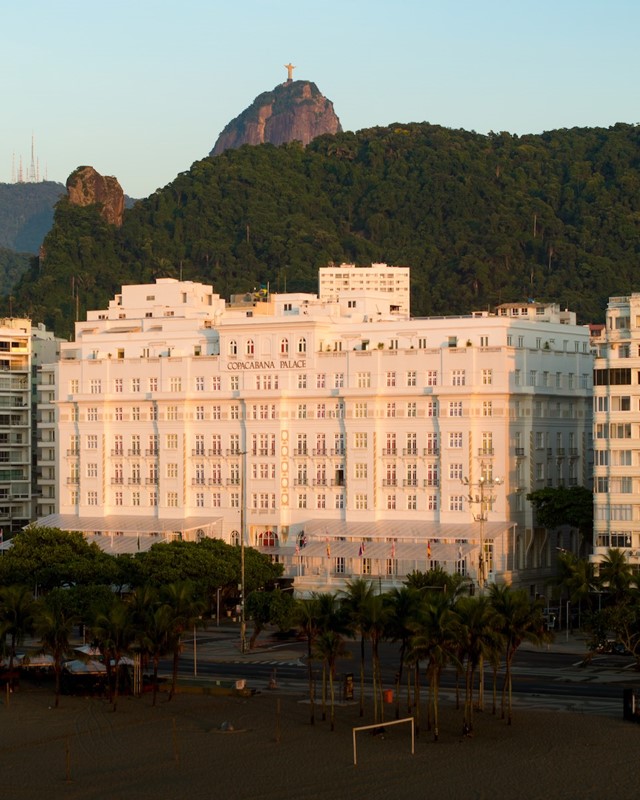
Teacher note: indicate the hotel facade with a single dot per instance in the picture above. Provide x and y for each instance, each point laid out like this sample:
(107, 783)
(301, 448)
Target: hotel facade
(358, 441)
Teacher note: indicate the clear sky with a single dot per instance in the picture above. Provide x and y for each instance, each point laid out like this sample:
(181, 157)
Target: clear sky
(141, 89)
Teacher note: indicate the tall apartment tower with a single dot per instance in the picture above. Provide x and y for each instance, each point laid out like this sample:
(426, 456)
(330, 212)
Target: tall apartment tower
(352, 436)
(391, 285)
(15, 423)
(616, 471)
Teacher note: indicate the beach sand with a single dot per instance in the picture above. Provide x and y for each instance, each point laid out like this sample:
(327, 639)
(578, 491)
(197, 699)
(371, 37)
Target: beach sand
(177, 750)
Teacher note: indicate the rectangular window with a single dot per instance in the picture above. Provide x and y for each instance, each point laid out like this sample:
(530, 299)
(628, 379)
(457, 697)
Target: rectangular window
(455, 408)
(391, 378)
(361, 502)
(360, 440)
(338, 380)
(412, 378)
(92, 442)
(487, 377)
(412, 409)
(455, 439)
(172, 441)
(455, 471)
(118, 386)
(431, 377)
(458, 377)
(363, 380)
(456, 502)
(172, 499)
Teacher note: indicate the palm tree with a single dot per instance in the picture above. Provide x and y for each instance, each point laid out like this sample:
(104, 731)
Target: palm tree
(616, 574)
(329, 646)
(113, 631)
(435, 640)
(187, 610)
(16, 616)
(518, 620)
(376, 614)
(158, 639)
(53, 624)
(403, 603)
(479, 639)
(355, 598)
(308, 619)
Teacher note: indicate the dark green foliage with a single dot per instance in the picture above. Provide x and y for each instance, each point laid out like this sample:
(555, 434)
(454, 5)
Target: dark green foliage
(480, 220)
(564, 506)
(12, 268)
(26, 213)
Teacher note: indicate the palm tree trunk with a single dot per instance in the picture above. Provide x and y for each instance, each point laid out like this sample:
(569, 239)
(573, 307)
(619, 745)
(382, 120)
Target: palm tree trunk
(495, 690)
(362, 676)
(312, 708)
(156, 661)
(481, 684)
(436, 686)
(174, 675)
(324, 690)
(331, 697)
(508, 679)
(399, 678)
(416, 694)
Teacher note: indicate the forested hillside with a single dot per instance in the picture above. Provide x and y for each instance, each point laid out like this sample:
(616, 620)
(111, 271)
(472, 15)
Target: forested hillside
(479, 219)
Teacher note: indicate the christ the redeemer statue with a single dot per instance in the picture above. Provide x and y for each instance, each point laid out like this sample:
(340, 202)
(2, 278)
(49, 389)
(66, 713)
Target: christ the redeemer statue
(289, 67)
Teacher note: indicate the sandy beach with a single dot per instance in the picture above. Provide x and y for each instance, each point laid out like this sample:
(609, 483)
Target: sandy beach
(85, 750)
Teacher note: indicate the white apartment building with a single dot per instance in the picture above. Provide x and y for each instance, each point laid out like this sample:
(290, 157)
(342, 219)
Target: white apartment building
(390, 284)
(345, 433)
(616, 413)
(15, 423)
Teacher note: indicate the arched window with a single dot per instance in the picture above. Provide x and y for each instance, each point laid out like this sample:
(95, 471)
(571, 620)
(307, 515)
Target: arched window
(235, 538)
(302, 345)
(268, 539)
(284, 347)
(250, 347)
(233, 348)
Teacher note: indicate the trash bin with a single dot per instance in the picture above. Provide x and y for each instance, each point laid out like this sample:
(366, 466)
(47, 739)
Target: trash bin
(387, 695)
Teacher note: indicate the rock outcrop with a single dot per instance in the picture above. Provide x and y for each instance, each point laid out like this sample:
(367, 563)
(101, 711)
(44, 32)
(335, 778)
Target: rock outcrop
(293, 111)
(87, 187)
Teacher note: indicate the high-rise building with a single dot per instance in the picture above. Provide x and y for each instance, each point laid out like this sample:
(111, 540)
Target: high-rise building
(15, 424)
(358, 441)
(616, 416)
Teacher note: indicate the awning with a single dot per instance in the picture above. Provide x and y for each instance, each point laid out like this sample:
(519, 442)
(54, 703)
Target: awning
(405, 530)
(129, 523)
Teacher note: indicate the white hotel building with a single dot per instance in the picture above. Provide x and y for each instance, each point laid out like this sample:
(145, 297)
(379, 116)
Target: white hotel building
(343, 427)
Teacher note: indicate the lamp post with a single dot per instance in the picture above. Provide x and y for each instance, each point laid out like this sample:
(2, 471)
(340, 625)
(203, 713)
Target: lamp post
(482, 496)
(243, 622)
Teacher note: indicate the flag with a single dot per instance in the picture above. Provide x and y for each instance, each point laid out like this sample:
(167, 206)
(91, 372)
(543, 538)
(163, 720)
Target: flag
(393, 548)
(297, 549)
(361, 551)
(459, 552)
(429, 548)
(328, 548)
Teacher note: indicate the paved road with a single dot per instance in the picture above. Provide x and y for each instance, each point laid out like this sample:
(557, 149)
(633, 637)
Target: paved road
(555, 677)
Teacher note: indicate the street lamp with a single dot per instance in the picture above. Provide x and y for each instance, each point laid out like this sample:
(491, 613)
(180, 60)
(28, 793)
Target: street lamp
(482, 495)
(243, 500)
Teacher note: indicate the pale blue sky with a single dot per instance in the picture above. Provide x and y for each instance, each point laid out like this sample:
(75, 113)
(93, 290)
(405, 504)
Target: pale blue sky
(141, 89)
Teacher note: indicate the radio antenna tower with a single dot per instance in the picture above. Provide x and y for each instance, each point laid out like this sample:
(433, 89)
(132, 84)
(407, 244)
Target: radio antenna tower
(33, 173)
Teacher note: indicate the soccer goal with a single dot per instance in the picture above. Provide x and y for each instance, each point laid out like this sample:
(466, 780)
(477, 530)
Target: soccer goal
(383, 725)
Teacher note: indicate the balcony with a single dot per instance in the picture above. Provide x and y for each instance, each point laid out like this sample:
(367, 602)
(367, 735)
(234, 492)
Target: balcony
(320, 451)
(300, 451)
(135, 451)
(217, 481)
(431, 482)
(198, 451)
(410, 482)
(410, 451)
(233, 451)
(198, 482)
(135, 481)
(337, 451)
(389, 482)
(117, 452)
(233, 481)
(390, 451)
(431, 451)
(215, 451)
(117, 481)
(153, 451)
(73, 480)
(319, 481)
(152, 481)
(73, 452)
(486, 451)
(301, 482)
(519, 451)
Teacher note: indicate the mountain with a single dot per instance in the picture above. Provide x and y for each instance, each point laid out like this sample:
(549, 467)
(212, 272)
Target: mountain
(480, 219)
(292, 111)
(26, 214)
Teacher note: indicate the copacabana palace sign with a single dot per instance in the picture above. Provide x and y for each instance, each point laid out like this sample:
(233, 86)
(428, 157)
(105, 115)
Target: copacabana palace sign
(270, 364)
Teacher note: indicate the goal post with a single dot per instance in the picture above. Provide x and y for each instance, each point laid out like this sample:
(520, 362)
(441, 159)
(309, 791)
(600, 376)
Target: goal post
(383, 725)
